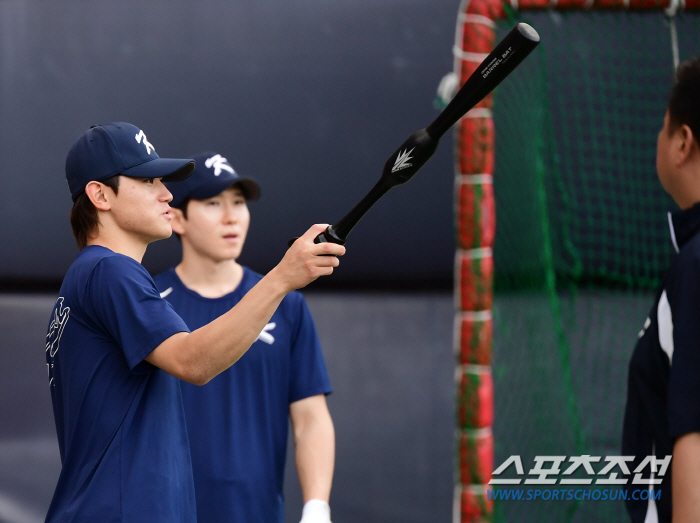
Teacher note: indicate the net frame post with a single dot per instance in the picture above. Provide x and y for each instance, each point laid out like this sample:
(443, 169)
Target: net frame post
(475, 229)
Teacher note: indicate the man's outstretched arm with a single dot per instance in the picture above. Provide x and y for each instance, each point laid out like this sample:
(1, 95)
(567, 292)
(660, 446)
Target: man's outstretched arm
(198, 356)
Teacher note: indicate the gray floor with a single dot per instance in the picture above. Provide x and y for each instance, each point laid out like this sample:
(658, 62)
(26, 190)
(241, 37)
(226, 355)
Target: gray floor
(391, 365)
(29, 462)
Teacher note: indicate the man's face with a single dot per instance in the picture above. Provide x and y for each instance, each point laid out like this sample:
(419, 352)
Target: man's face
(215, 228)
(141, 208)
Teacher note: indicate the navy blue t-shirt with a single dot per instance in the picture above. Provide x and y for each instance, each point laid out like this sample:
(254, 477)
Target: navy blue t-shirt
(237, 423)
(120, 420)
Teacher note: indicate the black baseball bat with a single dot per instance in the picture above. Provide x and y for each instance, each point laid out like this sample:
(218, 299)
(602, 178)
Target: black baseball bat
(420, 146)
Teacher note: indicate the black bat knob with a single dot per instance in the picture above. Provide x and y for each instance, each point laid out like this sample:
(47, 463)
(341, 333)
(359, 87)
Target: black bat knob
(327, 236)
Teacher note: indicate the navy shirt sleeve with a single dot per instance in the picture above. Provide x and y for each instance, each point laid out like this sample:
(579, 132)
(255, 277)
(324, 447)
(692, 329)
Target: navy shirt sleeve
(126, 303)
(684, 381)
(308, 376)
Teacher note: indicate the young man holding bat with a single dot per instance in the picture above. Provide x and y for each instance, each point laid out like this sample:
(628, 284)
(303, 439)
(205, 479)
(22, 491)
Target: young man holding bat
(237, 424)
(662, 416)
(115, 349)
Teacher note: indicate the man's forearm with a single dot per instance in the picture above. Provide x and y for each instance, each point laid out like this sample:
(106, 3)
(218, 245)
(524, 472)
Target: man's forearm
(314, 438)
(202, 354)
(216, 346)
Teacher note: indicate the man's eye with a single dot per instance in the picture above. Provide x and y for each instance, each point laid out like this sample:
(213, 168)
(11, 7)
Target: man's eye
(149, 180)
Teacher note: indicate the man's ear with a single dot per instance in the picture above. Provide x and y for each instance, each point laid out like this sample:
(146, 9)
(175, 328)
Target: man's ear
(178, 221)
(685, 144)
(100, 195)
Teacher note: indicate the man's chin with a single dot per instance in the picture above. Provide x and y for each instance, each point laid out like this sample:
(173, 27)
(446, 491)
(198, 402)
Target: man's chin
(225, 255)
(161, 235)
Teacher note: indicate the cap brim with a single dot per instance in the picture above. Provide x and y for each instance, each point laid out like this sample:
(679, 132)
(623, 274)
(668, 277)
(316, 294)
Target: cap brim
(169, 169)
(251, 189)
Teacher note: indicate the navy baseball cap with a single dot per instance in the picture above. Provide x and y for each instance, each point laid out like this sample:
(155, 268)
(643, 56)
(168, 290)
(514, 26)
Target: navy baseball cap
(115, 148)
(212, 175)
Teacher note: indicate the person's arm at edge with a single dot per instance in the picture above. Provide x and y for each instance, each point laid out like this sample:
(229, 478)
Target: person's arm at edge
(314, 442)
(686, 478)
(198, 356)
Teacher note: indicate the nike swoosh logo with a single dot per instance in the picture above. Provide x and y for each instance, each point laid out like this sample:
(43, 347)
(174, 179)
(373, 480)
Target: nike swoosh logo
(166, 292)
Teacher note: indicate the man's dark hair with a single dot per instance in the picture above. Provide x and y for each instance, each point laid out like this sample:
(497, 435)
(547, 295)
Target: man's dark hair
(183, 207)
(83, 216)
(684, 102)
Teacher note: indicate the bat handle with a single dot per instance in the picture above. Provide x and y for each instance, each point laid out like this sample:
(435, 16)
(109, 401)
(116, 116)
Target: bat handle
(327, 236)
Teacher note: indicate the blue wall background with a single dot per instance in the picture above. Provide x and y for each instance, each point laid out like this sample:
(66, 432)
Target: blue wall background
(308, 96)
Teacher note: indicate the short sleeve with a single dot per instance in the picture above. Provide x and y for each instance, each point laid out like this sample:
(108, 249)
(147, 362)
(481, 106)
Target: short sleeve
(309, 376)
(126, 304)
(684, 319)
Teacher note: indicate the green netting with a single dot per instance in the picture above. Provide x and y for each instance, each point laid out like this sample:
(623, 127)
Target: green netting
(582, 235)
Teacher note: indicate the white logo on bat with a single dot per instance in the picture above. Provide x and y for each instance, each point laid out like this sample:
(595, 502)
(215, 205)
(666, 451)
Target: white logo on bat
(266, 336)
(402, 160)
(142, 137)
(219, 163)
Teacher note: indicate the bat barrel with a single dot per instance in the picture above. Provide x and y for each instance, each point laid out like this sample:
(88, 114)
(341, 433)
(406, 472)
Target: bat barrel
(505, 57)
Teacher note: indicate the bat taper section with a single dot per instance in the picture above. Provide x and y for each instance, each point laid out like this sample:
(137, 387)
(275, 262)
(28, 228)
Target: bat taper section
(398, 169)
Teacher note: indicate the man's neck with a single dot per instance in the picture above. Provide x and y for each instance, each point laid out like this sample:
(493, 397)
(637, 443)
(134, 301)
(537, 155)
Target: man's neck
(121, 243)
(209, 278)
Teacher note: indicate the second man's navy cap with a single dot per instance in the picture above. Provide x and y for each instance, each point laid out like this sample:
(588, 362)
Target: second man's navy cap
(212, 175)
(115, 148)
